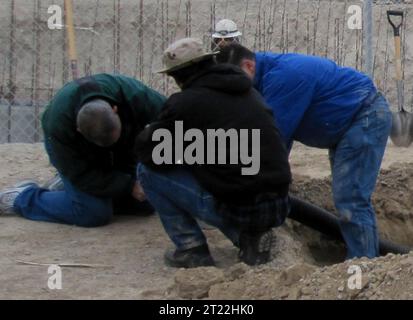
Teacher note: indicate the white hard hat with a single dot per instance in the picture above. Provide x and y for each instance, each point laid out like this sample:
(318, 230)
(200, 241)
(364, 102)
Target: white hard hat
(226, 29)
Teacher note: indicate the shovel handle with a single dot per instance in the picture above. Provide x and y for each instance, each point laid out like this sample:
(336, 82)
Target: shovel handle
(396, 28)
(397, 40)
(397, 44)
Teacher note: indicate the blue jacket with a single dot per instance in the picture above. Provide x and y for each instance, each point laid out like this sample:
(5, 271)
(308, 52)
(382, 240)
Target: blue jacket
(313, 99)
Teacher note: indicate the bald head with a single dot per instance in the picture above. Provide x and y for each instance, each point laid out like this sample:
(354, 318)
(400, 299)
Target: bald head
(99, 123)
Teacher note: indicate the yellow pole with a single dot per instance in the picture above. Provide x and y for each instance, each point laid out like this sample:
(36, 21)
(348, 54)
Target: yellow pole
(71, 38)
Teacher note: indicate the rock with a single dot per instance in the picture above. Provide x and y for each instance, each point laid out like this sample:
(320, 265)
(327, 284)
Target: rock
(236, 271)
(407, 262)
(195, 283)
(306, 291)
(295, 273)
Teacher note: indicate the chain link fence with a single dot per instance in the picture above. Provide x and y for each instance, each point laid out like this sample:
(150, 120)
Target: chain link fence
(129, 37)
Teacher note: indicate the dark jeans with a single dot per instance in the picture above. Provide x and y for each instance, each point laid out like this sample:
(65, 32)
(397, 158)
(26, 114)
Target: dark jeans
(180, 200)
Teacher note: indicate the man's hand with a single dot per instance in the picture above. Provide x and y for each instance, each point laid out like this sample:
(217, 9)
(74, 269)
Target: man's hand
(138, 192)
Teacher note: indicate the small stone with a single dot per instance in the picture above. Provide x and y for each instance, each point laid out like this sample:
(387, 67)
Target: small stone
(306, 291)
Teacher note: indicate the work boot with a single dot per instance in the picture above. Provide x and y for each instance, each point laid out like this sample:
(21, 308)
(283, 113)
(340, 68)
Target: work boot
(255, 249)
(8, 197)
(191, 258)
(54, 184)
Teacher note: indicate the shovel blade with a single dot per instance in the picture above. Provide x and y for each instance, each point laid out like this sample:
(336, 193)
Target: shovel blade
(402, 129)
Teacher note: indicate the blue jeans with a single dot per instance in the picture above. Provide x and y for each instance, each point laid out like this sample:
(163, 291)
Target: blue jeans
(70, 206)
(180, 200)
(355, 164)
(73, 206)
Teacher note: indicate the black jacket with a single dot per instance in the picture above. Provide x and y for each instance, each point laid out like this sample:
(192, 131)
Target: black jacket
(223, 97)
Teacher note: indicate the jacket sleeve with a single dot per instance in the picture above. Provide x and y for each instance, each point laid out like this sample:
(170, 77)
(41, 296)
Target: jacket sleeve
(166, 120)
(289, 95)
(84, 176)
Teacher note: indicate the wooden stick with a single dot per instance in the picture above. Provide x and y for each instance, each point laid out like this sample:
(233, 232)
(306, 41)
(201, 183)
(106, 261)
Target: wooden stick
(71, 38)
(64, 264)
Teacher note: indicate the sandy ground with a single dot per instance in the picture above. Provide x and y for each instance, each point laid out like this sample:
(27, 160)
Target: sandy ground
(129, 251)
(314, 162)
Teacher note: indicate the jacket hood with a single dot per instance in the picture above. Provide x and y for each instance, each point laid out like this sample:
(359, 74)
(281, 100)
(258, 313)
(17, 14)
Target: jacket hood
(222, 77)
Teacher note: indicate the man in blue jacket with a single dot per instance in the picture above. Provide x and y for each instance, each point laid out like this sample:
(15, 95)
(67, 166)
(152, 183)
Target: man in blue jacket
(320, 104)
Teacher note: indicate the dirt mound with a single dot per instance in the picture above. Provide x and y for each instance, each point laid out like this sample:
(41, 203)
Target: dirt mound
(389, 277)
(392, 200)
(306, 264)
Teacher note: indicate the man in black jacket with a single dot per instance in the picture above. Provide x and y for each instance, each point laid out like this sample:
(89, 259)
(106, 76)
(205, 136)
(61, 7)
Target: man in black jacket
(215, 155)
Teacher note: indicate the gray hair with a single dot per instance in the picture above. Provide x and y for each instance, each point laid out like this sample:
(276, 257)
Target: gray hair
(97, 122)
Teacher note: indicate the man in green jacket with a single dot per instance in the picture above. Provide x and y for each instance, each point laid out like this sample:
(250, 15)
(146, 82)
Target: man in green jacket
(90, 128)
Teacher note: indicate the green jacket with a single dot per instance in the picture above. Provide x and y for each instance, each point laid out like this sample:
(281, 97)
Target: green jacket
(104, 172)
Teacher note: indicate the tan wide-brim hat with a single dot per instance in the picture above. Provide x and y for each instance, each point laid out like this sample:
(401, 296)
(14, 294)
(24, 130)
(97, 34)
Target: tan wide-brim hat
(183, 53)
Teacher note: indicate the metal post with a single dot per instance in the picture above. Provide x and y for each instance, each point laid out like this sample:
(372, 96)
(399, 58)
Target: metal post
(368, 37)
(11, 95)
